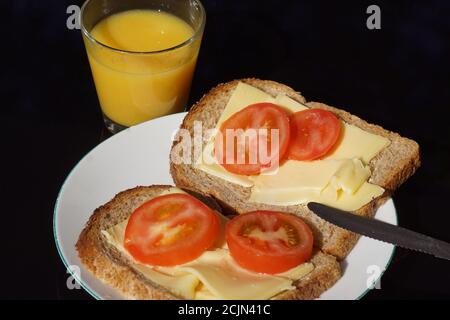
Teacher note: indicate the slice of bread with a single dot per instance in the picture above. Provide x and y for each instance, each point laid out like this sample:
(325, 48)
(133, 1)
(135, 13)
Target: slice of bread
(113, 268)
(390, 168)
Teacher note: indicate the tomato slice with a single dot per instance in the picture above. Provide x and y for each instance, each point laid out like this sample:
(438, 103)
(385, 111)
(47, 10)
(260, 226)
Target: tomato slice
(248, 152)
(313, 133)
(170, 230)
(269, 242)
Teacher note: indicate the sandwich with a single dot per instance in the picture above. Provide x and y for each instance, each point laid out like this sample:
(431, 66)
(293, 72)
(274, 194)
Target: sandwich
(162, 242)
(236, 224)
(357, 171)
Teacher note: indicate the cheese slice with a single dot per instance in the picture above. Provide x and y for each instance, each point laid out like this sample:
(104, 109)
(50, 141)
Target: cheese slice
(289, 104)
(208, 163)
(224, 279)
(357, 143)
(242, 96)
(303, 174)
(213, 275)
(337, 199)
(333, 182)
(262, 289)
(351, 202)
(182, 285)
(297, 182)
(350, 176)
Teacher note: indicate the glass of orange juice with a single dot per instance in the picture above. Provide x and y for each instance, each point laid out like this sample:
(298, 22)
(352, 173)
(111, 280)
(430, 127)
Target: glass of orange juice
(142, 55)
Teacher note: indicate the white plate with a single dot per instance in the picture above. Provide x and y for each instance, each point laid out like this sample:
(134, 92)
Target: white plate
(139, 156)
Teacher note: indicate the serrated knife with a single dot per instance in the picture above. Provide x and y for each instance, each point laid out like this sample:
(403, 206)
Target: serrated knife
(382, 231)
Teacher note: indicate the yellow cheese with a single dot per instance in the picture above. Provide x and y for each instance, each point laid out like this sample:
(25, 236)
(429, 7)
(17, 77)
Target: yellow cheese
(183, 285)
(350, 176)
(295, 182)
(357, 143)
(351, 202)
(242, 96)
(213, 275)
(212, 167)
(341, 200)
(354, 142)
(241, 284)
(303, 174)
(333, 182)
(289, 104)
(298, 182)
(224, 279)
(203, 293)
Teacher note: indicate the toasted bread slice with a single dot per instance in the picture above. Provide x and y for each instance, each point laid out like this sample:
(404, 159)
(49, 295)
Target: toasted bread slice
(113, 268)
(390, 168)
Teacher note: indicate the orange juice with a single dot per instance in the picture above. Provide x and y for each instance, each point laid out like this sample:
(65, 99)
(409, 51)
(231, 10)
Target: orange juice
(136, 78)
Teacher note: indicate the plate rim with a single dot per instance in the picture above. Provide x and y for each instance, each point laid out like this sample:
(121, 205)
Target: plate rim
(95, 294)
(84, 285)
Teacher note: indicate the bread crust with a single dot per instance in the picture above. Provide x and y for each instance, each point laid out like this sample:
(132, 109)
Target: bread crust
(114, 269)
(390, 168)
(105, 262)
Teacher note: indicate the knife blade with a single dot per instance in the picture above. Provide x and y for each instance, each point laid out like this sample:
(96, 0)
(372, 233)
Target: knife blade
(382, 231)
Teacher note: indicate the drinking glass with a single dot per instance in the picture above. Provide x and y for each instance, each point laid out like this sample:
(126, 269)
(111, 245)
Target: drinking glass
(133, 87)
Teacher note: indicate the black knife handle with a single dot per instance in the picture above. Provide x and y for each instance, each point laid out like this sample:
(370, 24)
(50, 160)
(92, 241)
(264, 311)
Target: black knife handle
(382, 231)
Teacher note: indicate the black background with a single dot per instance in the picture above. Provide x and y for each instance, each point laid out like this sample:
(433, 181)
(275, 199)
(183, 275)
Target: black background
(398, 77)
